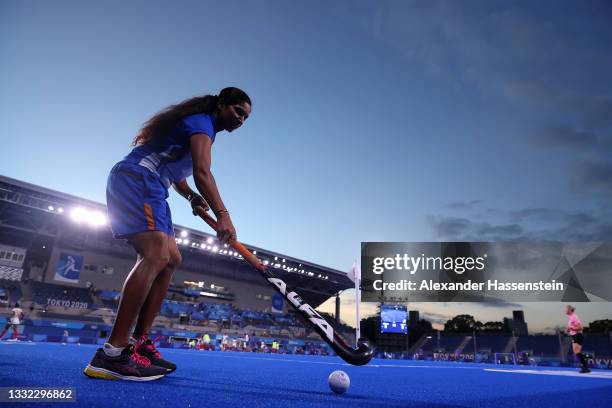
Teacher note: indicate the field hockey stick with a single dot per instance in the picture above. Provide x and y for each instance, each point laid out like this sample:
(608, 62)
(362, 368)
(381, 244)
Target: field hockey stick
(364, 352)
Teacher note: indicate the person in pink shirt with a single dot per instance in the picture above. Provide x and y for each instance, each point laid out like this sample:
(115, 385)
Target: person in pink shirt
(574, 329)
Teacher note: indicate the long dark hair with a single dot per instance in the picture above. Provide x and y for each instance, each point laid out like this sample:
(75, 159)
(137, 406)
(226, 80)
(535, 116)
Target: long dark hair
(163, 121)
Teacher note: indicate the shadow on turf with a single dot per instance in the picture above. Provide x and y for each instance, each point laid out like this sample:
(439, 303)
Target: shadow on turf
(295, 394)
(578, 398)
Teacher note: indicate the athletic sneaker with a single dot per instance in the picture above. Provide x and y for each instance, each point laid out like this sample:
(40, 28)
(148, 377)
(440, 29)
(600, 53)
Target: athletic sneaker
(145, 347)
(584, 370)
(129, 365)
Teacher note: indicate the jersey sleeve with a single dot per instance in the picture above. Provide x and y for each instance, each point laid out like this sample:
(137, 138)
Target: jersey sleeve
(198, 124)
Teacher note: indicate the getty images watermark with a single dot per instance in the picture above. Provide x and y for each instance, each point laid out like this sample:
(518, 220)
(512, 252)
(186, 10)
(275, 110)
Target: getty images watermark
(482, 271)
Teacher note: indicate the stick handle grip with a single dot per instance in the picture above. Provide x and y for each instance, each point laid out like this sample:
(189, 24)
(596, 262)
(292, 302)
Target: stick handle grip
(248, 256)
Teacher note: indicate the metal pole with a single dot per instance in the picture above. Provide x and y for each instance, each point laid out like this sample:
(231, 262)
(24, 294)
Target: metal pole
(515, 352)
(561, 351)
(358, 302)
(407, 331)
(338, 308)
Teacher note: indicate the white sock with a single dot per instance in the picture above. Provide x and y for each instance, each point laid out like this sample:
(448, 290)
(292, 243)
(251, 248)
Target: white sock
(111, 350)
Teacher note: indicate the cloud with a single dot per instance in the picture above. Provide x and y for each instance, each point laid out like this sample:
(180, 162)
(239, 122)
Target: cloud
(552, 215)
(464, 205)
(590, 167)
(433, 317)
(451, 228)
(509, 230)
(573, 139)
(599, 116)
(550, 58)
(500, 304)
(566, 137)
(533, 54)
(529, 224)
(595, 175)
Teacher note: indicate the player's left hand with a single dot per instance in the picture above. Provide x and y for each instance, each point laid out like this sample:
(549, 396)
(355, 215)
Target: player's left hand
(198, 201)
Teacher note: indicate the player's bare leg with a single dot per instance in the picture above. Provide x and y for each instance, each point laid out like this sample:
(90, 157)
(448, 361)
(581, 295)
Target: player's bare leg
(158, 291)
(154, 256)
(151, 307)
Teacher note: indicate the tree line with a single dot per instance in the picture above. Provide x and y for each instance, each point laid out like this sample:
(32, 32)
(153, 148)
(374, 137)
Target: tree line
(464, 324)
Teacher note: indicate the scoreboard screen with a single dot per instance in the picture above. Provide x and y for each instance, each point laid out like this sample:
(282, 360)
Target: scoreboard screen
(393, 319)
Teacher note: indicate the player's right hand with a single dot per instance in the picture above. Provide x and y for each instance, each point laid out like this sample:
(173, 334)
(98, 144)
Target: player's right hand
(198, 201)
(225, 229)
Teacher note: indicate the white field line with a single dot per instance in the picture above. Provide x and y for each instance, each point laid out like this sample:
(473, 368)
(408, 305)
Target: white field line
(562, 373)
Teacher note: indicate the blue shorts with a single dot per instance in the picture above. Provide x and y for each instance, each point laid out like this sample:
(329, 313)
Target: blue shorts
(136, 201)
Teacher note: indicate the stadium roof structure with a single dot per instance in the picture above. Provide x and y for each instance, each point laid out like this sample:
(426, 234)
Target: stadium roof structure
(31, 213)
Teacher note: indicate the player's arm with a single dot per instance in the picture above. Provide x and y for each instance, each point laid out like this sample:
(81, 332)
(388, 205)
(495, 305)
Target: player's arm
(201, 145)
(183, 189)
(194, 198)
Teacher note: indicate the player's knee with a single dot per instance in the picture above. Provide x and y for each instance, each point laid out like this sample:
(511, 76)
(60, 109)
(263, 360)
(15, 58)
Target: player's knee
(157, 261)
(152, 247)
(175, 259)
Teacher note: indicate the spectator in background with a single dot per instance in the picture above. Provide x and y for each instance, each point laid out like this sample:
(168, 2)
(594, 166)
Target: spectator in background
(14, 321)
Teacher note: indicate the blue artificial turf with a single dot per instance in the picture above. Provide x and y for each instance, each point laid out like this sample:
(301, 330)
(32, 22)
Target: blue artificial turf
(212, 378)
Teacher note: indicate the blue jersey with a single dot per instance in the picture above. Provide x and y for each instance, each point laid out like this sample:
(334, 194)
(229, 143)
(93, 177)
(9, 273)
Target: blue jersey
(170, 156)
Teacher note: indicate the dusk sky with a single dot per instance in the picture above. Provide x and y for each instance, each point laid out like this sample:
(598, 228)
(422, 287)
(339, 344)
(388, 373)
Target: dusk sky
(371, 121)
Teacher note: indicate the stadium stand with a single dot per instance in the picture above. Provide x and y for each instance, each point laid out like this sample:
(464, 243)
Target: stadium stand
(45, 292)
(537, 345)
(10, 273)
(492, 343)
(107, 298)
(12, 289)
(214, 292)
(598, 345)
